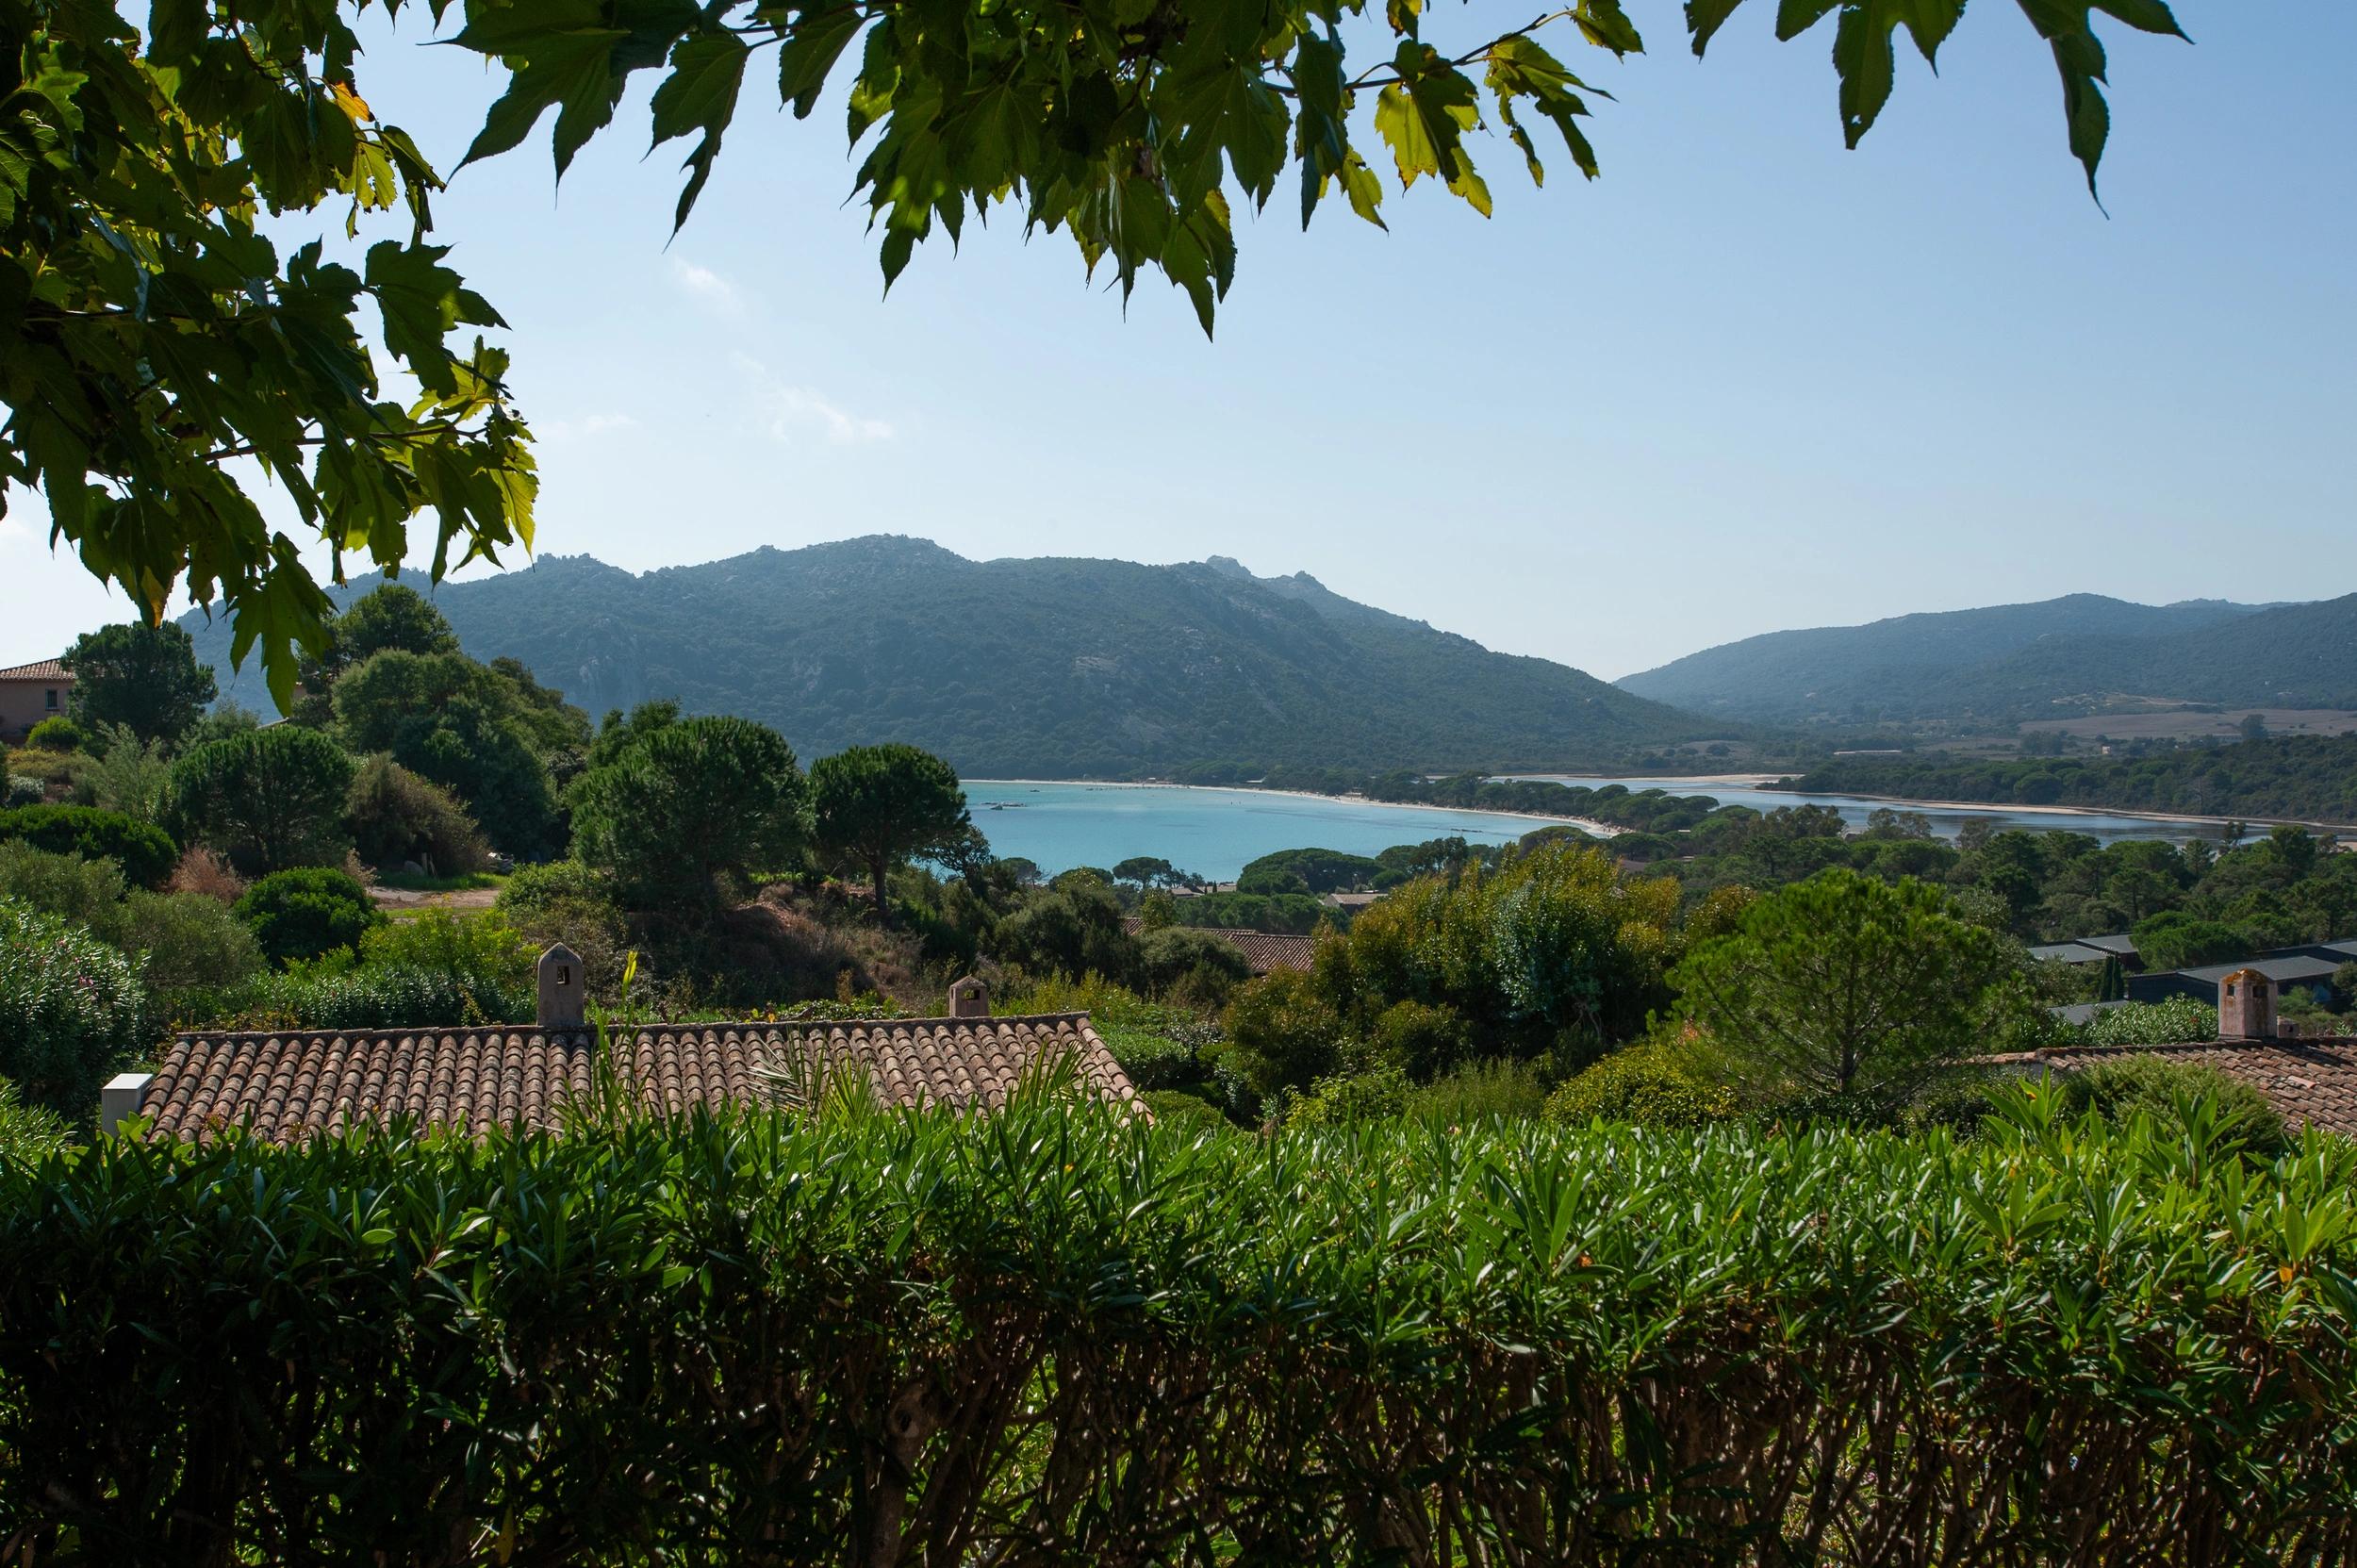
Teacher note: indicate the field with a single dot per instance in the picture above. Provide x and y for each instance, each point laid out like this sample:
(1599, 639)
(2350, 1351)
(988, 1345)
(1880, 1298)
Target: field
(2195, 724)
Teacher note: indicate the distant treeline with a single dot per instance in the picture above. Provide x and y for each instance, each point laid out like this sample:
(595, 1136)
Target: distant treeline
(2313, 778)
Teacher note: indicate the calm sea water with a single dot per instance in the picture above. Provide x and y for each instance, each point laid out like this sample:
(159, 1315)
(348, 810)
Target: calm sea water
(1214, 833)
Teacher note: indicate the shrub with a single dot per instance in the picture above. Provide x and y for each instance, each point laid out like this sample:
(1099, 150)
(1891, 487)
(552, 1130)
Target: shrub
(1644, 1086)
(1379, 1093)
(22, 792)
(563, 901)
(1072, 929)
(55, 734)
(363, 997)
(71, 1010)
(1286, 1034)
(206, 872)
(1421, 1040)
(1193, 966)
(643, 1343)
(2180, 1020)
(130, 776)
(87, 892)
(145, 851)
(186, 940)
(303, 913)
(29, 1133)
(1155, 1061)
(1479, 1091)
(396, 816)
(477, 947)
(2173, 1094)
(1186, 1115)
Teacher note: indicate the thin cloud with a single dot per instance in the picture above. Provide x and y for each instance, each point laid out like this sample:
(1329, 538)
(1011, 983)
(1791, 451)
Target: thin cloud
(589, 425)
(708, 288)
(787, 412)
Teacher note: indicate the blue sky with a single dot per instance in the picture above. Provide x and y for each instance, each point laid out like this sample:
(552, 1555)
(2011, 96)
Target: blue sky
(1746, 381)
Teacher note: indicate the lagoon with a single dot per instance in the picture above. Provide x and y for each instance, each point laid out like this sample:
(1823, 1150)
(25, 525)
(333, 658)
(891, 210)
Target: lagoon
(1947, 820)
(1214, 833)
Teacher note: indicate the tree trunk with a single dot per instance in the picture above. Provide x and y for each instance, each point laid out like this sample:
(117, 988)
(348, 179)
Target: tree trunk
(877, 860)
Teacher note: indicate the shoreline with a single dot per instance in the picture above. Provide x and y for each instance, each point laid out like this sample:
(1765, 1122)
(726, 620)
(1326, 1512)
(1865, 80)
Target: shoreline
(2187, 818)
(1600, 830)
(1740, 780)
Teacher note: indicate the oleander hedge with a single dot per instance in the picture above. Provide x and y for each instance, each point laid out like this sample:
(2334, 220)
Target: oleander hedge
(1048, 1337)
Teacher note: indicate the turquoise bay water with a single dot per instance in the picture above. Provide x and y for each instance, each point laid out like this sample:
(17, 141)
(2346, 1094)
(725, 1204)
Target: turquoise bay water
(1214, 833)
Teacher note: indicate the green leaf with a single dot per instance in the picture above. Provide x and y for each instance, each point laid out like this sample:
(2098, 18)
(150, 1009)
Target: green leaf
(699, 95)
(571, 70)
(809, 53)
(1704, 18)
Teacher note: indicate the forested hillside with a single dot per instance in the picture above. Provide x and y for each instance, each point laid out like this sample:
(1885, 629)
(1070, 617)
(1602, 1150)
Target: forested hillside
(2292, 656)
(1037, 668)
(2311, 778)
(2080, 654)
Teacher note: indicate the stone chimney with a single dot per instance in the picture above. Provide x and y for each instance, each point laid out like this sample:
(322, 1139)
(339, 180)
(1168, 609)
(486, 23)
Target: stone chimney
(2245, 1006)
(564, 997)
(969, 999)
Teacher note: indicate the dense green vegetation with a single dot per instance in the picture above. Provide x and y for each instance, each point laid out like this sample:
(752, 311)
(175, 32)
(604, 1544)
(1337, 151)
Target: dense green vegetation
(1888, 670)
(879, 1338)
(1989, 669)
(2307, 778)
(1022, 669)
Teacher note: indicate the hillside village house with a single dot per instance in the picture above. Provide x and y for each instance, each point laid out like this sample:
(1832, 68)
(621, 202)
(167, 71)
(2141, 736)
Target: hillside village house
(298, 1083)
(30, 693)
(2311, 1082)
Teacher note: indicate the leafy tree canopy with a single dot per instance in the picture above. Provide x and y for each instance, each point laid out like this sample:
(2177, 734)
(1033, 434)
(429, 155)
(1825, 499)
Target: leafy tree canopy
(1850, 990)
(882, 804)
(145, 678)
(691, 807)
(153, 335)
(269, 799)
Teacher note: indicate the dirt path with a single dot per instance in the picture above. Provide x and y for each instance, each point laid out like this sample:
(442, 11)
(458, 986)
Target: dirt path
(465, 897)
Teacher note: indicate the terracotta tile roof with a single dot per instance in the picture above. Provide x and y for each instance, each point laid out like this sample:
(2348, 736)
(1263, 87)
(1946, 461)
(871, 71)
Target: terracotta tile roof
(42, 670)
(2310, 1081)
(1267, 951)
(1262, 950)
(287, 1086)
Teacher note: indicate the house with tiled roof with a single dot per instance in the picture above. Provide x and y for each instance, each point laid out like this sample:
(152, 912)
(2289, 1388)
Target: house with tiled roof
(1263, 951)
(2310, 1083)
(30, 693)
(289, 1085)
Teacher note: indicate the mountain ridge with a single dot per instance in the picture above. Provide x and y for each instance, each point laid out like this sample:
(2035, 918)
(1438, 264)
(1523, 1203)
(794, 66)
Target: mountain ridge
(2001, 664)
(1062, 665)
